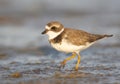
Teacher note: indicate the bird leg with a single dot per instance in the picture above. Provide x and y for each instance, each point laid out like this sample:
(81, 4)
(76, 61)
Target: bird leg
(67, 59)
(78, 62)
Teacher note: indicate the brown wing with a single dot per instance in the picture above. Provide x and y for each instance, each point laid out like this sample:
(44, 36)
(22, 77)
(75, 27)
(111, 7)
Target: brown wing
(80, 37)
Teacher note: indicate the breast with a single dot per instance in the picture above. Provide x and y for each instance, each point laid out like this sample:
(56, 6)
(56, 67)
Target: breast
(64, 46)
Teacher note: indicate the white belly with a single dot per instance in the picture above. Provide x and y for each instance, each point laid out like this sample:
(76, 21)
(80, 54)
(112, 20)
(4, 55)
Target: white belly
(68, 47)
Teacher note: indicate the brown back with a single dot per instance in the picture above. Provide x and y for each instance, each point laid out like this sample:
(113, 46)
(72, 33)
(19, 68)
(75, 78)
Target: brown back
(77, 37)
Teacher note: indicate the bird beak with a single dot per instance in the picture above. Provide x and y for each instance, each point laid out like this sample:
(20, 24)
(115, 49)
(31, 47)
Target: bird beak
(44, 32)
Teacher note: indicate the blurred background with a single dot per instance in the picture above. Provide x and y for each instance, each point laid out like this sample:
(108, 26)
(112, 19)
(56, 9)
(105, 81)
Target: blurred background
(22, 21)
(24, 50)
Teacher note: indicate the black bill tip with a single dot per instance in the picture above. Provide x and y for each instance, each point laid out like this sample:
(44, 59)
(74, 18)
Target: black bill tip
(44, 32)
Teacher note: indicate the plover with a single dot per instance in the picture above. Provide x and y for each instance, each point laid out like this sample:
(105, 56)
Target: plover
(70, 40)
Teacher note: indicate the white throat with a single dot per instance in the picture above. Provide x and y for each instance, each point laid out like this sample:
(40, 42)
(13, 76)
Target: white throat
(52, 34)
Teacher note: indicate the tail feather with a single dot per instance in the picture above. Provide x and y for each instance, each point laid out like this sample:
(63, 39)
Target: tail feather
(96, 37)
(108, 35)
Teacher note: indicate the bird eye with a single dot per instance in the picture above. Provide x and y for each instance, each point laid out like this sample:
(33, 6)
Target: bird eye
(53, 28)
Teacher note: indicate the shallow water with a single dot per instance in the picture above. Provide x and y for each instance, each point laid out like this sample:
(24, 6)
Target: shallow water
(99, 64)
(27, 58)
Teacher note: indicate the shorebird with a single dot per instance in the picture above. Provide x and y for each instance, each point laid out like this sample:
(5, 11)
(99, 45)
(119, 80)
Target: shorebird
(70, 40)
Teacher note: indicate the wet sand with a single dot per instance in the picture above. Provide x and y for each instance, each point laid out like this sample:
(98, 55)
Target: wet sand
(27, 58)
(99, 65)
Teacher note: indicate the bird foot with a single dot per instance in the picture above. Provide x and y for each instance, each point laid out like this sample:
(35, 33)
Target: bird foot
(62, 64)
(76, 68)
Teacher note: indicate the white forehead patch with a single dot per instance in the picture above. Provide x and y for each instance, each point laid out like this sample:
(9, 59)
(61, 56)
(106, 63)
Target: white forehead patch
(46, 27)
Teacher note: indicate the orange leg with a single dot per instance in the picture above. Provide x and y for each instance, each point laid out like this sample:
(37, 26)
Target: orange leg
(67, 59)
(78, 62)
